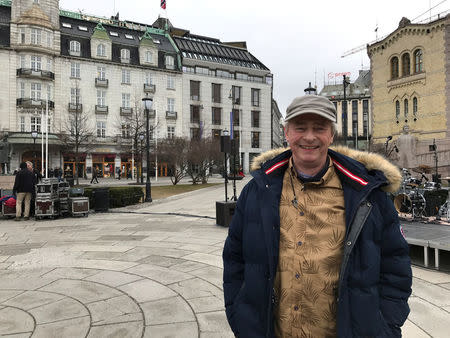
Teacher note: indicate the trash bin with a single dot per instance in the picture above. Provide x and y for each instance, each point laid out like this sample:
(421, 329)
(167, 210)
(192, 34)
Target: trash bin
(101, 199)
(224, 212)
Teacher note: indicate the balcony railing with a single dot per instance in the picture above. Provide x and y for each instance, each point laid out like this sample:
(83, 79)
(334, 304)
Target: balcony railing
(41, 74)
(75, 107)
(33, 103)
(126, 111)
(101, 82)
(101, 109)
(149, 88)
(171, 115)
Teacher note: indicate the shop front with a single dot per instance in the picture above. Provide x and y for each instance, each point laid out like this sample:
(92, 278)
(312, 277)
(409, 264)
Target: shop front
(69, 165)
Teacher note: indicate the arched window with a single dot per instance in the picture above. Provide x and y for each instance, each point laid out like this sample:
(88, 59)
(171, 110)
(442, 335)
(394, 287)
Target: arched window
(415, 108)
(101, 50)
(418, 61)
(125, 55)
(75, 47)
(406, 65)
(148, 56)
(406, 109)
(397, 109)
(394, 67)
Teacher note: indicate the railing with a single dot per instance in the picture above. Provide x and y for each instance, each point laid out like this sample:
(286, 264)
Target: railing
(149, 88)
(101, 109)
(126, 111)
(171, 115)
(101, 82)
(33, 103)
(75, 107)
(36, 73)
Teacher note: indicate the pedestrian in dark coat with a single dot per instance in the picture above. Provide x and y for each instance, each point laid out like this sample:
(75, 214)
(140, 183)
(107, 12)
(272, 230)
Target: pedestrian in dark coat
(283, 262)
(24, 188)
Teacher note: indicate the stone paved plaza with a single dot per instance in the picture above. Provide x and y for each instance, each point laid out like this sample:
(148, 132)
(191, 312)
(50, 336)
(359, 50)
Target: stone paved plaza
(142, 272)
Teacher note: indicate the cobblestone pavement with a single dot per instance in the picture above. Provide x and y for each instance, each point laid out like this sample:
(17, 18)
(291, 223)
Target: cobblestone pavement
(142, 272)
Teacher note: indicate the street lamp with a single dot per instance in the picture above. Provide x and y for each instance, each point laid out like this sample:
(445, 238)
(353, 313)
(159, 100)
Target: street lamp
(233, 145)
(34, 135)
(148, 102)
(141, 138)
(386, 144)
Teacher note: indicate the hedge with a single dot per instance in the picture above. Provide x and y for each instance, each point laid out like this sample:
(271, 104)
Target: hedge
(118, 196)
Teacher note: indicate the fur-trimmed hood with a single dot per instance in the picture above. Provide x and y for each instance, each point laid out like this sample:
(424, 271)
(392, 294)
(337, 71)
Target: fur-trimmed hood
(371, 161)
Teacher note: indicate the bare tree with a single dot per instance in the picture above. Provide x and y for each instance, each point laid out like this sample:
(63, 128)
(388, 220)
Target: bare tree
(174, 152)
(202, 155)
(77, 131)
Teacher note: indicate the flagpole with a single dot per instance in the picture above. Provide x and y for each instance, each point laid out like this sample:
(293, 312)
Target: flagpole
(42, 141)
(46, 140)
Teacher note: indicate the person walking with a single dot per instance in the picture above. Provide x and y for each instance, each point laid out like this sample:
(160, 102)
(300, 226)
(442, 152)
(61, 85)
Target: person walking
(94, 175)
(315, 248)
(24, 188)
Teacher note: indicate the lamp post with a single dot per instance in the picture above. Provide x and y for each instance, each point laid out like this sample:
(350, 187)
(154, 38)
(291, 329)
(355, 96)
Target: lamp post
(310, 90)
(225, 148)
(141, 138)
(233, 145)
(148, 102)
(345, 83)
(34, 135)
(386, 145)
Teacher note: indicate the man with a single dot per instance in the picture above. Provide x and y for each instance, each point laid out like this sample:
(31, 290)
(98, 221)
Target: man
(24, 186)
(315, 248)
(94, 175)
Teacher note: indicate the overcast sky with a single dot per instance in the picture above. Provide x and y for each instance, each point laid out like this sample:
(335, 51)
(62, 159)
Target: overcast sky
(299, 41)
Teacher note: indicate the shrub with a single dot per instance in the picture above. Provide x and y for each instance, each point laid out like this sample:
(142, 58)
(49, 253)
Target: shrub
(118, 196)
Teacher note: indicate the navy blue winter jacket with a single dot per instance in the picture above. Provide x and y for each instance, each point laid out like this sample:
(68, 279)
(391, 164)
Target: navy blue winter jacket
(375, 277)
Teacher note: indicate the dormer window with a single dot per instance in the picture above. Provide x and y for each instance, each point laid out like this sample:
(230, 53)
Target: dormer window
(101, 50)
(75, 48)
(83, 28)
(128, 36)
(66, 25)
(125, 55)
(113, 33)
(170, 62)
(148, 56)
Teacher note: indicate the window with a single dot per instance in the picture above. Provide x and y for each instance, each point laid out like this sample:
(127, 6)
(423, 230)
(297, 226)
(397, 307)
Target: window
(126, 75)
(148, 56)
(170, 132)
(236, 118)
(365, 104)
(418, 61)
(241, 76)
(406, 66)
(22, 61)
(128, 36)
(415, 108)
(113, 33)
(170, 104)
(202, 70)
(49, 39)
(101, 50)
(66, 25)
(101, 98)
(101, 129)
(195, 133)
(126, 130)
(215, 134)
(75, 48)
(35, 36)
(22, 35)
(49, 92)
(35, 123)
(148, 79)
(170, 82)
(224, 74)
(394, 67)
(75, 96)
(216, 90)
(75, 70)
(125, 100)
(169, 62)
(216, 116)
(354, 117)
(195, 114)
(236, 94)
(255, 97)
(36, 91)
(49, 65)
(188, 69)
(405, 106)
(195, 90)
(22, 124)
(125, 55)
(35, 62)
(397, 109)
(255, 119)
(101, 73)
(83, 28)
(22, 90)
(255, 139)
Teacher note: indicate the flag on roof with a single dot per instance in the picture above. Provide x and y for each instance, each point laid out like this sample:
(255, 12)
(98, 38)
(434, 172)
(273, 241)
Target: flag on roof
(163, 4)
